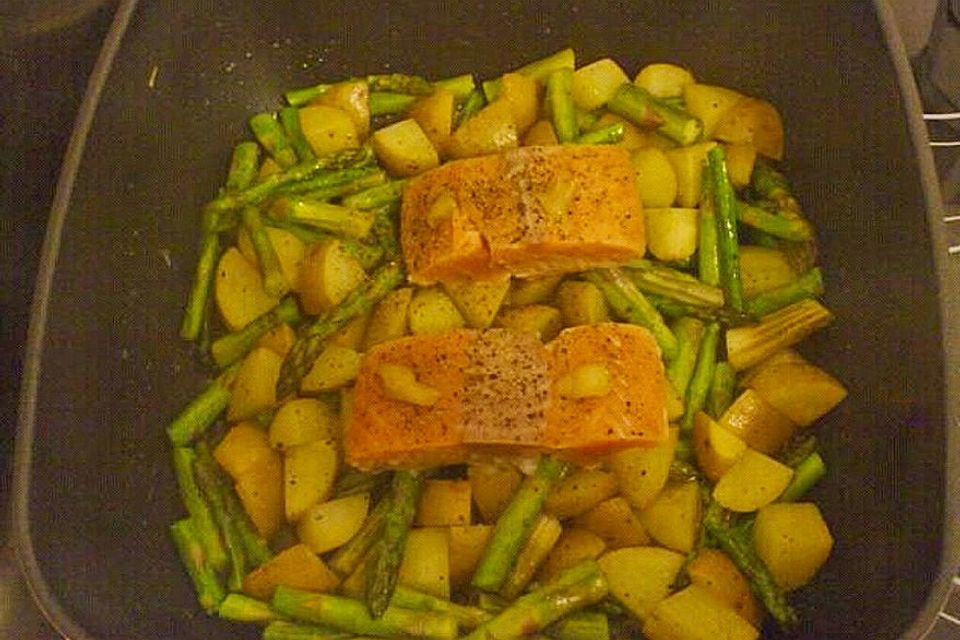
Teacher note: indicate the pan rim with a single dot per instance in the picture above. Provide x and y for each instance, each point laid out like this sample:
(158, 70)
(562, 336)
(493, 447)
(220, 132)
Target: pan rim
(64, 623)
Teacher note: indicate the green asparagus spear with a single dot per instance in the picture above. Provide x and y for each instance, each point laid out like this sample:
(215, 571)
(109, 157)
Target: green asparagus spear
(243, 170)
(740, 549)
(271, 135)
(672, 309)
(388, 550)
(290, 119)
(708, 256)
(798, 449)
(311, 340)
(388, 103)
(538, 70)
(534, 551)
(610, 134)
(689, 333)
(205, 527)
(728, 248)
(274, 282)
(213, 488)
(581, 625)
(232, 347)
(577, 587)
(748, 345)
(769, 184)
(515, 524)
(794, 229)
(638, 105)
(241, 608)
(722, 389)
(348, 557)
(460, 86)
(702, 377)
(809, 285)
(351, 615)
(334, 168)
(284, 630)
(629, 304)
(200, 413)
(650, 277)
(255, 547)
(332, 218)
(474, 102)
(327, 182)
(367, 179)
(376, 196)
(806, 474)
(466, 616)
(563, 113)
(385, 230)
(205, 581)
(400, 83)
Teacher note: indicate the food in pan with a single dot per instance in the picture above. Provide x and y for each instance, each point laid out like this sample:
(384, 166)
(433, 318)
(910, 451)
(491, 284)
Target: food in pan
(506, 360)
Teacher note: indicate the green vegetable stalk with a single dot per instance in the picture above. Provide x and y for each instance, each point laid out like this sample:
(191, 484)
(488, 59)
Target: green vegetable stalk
(201, 412)
(702, 377)
(209, 590)
(560, 102)
(728, 245)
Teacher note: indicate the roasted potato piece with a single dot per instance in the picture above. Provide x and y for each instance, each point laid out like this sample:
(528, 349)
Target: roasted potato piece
(238, 290)
(309, 471)
(426, 561)
(797, 389)
(688, 163)
(581, 303)
(490, 130)
(328, 274)
(432, 311)
(479, 300)
(444, 503)
(492, 487)
(664, 80)
(255, 386)
(467, 545)
(302, 420)
(716, 449)
(715, 572)
(656, 178)
(754, 481)
(580, 492)
(539, 320)
(695, 614)
(335, 367)
(404, 149)
(295, 566)
(289, 248)
(389, 318)
(245, 445)
(594, 84)
(757, 423)
(328, 129)
(642, 472)
(709, 103)
(328, 525)
(755, 122)
(793, 541)
(574, 546)
(615, 523)
(260, 489)
(434, 114)
(673, 518)
(672, 233)
(640, 577)
(524, 291)
(353, 98)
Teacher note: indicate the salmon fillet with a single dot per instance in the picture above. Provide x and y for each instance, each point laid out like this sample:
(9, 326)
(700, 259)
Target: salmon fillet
(497, 398)
(528, 211)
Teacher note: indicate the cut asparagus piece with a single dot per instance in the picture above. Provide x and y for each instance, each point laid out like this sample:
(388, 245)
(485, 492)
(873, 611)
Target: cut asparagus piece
(231, 348)
(332, 218)
(241, 608)
(290, 119)
(639, 106)
(677, 285)
(748, 345)
(725, 210)
(806, 474)
(702, 377)
(200, 413)
(205, 581)
(809, 285)
(204, 526)
(270, 134)
(689, 333)
(610, 134)
(560, 102)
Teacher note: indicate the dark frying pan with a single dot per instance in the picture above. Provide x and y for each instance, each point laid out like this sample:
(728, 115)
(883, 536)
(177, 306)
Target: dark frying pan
(94, 487)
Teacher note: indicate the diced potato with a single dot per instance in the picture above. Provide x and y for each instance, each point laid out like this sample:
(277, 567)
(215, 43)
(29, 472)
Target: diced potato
(740, 161)
(798, 389)
(757, 423)
(640, 577)
(328, 129)
(755, 481)
(656, 178)
(574, 546)
(492, 487)
(664, 80)
(245, 445)
(479, 300)
(289, 248)
(521, 94)
(615, 523)
(297, 567)
(444, 503)
(351, 336)
(328, 525)
(238, 290)
(716, 449)
(302, 420)
(404, 149)
(763, 269)
(793, 541)
(328, 274)
(714, 571)
(642, 471)
(432, 311)
(581, 303)
(353, 98)
(755, 122)
(709, 103)
(524, 291)
(591, 380)
(595, 83)
(467, 545)
(400, 383)
(672, 233)
(280, 339)
(260, 489)
(580, 492)
(434, 114)
(539, 320)
(309, 471)
(255, 385)
(426, 561)
(688, 163)
(694, 614)
(389, 318)
(490, 130)
(540, 134)
(335, 367)
(673, 518)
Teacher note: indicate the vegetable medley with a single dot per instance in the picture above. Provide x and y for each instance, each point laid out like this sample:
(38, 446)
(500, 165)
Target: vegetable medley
(508, 359)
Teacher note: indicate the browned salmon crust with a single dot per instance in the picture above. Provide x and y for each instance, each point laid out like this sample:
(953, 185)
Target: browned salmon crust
(496, 398)
(528, 211)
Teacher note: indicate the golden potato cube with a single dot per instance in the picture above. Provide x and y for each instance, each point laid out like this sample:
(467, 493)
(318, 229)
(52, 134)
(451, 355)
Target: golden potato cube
(431, 311)
(757, 423)
(335, 367)
(479, 300)
(297, 567)
(656, 177)
(715, 448)
(688, 163)
(243, 446)
(329, 272)
(404, 149)
(672, 233)
(389, 318)
(426, 561)
(467, 545)
(255, 385)
(353, 98)
(695, 614)
(260, 489)
(755, 122)
(797, 389)
(715, 572)
(754, 481)
(539, 320)
(642, 471)
(328, 525)
(492, 487)
(444, 503)
(793, 540)
(673, 518)
(238, 290)
(640, 577)
(309, 471)
(594, 84)
(302, 420)
(328, 129)
(581, 303)
(574, 546)
(434, 114)
(709, 103)
(580, 492)
(614, 522)
(663, 80)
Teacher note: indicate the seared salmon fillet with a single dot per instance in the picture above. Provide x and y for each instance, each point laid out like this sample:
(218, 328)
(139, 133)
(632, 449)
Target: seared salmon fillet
(496, 396)
(528, 211)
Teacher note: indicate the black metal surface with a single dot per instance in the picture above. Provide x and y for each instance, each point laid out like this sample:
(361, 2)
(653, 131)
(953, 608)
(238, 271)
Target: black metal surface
(95, 489)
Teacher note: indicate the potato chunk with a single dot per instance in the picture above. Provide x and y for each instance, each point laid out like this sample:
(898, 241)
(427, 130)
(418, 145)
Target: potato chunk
(404, 149)
(793, 541)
